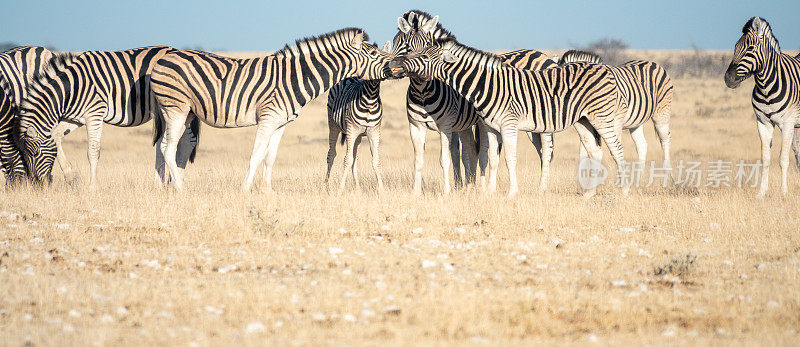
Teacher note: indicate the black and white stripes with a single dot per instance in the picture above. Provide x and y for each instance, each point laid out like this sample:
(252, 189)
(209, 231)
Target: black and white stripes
(267, 91)
(776, 96)
(510, 99)
(89, 89)
(17, 67)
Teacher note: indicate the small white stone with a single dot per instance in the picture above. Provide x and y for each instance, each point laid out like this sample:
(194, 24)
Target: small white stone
(460, 230)
(318, 317)
(555, 241)
(727, 262)
(428, 264)
(643, 288)
(28, 317)
(349, 318)
(277, 324)
(367, 313)
(773, 304)
(713, 226)
(592, 338)
(335, 251)
(521, 257)
(417, 231)
(226, 269)
(74, 314)
(619, 283)
(107, 318)
(670, 331)
(62, 226)
(254, 327)
(68, 328)
(121, 311)
(448, 267)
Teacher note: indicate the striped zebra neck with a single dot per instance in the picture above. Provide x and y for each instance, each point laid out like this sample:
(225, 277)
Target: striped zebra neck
(310, 69)
(771, 63)
(370, 99)
(57, 94)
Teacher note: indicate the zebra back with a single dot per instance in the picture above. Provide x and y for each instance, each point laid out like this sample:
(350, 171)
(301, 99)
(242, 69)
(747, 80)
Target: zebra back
(527, 59)
(17, 67)
(572, 56)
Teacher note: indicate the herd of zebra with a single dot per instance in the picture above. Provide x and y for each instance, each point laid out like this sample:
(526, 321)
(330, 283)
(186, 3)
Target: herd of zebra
(476, 101)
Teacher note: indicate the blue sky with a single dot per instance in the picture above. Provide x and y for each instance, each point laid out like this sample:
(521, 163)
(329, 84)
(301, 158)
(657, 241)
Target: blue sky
(495, 25)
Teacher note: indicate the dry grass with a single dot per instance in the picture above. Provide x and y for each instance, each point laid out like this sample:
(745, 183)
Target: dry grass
(133, 265)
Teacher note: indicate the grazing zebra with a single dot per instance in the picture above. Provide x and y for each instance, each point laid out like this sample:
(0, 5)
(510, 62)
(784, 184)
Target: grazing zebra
(435, 106)
(17, 67)
(776, 96)
(509, 99)
(645, 92)
(266, 91)
(355, 109)
(89, 89)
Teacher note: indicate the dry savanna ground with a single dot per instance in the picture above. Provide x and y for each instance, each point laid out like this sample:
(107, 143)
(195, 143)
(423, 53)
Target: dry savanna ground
(131, 264)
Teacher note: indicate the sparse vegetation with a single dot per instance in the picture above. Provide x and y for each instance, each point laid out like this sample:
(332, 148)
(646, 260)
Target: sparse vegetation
(134, 265)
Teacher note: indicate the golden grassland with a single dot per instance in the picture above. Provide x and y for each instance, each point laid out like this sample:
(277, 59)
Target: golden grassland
(131, 264)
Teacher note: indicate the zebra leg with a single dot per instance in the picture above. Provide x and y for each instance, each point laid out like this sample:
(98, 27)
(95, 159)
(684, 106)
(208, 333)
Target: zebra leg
(417, 131)
(61, 130)
(637, 133)
(589, 146)
(796, 146)
(445, 137)
(610, 133)
(510, 140)
(354, 167)
(543, 142)
(94, 131)
(455, 157)
(173, 130)
(333, 135)
(272, 153)
(160, 176)
(374, 136)
(787, 131)
(263, 138)
(469, 155)
(661, 123)
(483, 151)
(349, 158)
(493, 153)
(765, 130)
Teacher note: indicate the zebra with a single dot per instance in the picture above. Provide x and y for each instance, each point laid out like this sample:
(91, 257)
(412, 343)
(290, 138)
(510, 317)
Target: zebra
(89, 88)
(17, 67)
(776, 96)
(509, 99)
(435, 106)
(355, 109)
(645, 92)
(266, 91)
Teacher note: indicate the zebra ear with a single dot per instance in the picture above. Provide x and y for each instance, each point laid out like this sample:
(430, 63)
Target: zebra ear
(357, 40)
(430, 25)
(387, 47)
(403, 25)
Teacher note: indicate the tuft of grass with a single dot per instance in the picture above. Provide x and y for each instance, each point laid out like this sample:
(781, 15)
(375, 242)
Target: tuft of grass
(678, 266)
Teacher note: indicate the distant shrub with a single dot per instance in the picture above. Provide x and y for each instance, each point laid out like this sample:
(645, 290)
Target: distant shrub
(698, 63)
(678, 266)
(610, 49)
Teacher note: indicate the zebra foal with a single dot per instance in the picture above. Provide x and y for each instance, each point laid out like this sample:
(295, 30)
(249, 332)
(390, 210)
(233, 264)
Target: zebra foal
(354, 110)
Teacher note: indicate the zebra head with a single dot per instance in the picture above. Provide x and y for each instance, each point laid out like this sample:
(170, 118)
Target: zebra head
(752, 52)
(372, 63)
(417, 29)
(39, 113)
(429, 62)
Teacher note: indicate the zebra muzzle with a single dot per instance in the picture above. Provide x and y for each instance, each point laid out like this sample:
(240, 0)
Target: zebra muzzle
(396, 67)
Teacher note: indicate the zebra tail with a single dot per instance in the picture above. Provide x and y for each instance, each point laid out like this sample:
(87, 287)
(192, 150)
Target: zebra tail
(195, 126)
(158, 128)
(796, 145)
(477, 138)
(342, 139)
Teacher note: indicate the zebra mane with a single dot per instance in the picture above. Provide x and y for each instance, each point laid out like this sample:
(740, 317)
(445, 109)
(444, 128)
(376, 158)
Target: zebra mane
(573, 55)
(57, 64)
(759, 25)
(415, 18)
(490, 58)
(289, 51)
